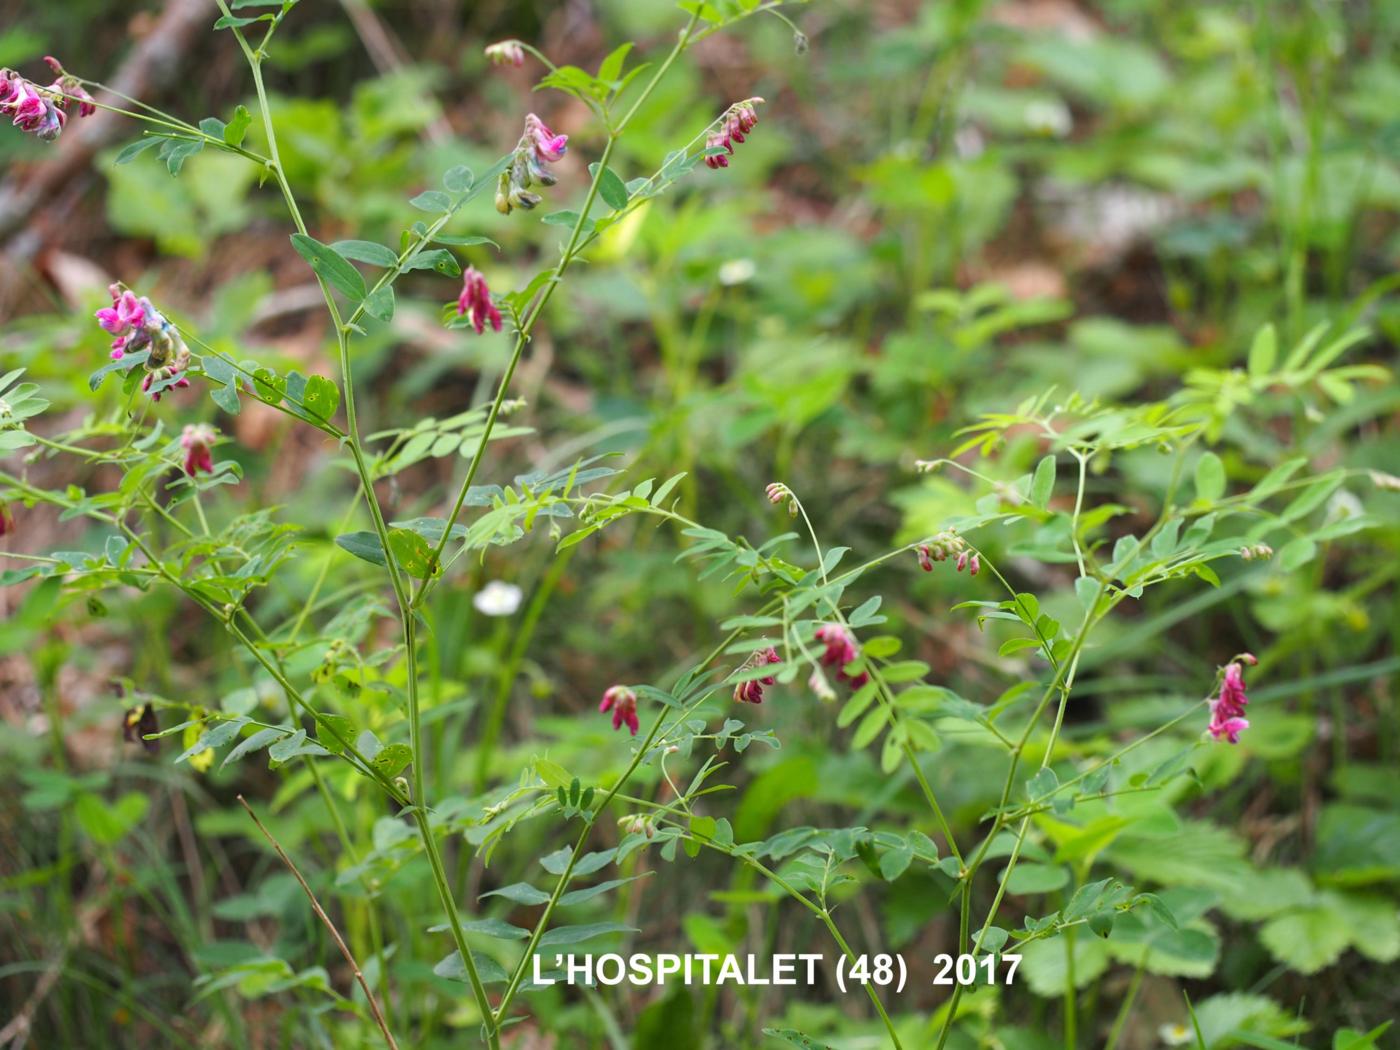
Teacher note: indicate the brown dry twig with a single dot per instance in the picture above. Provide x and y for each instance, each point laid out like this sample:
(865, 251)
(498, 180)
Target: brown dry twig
(326, 920)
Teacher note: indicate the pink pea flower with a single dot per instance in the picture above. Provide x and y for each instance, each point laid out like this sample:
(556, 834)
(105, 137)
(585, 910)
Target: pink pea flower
(30, 107)
(42, 111)
(622, 702)
(138, 326)
(1227, 710)
(197, 440)
(841, 649)
(123, 318)
(538, 147)
(738, 121)
(549, 147)
(7, 520)
(475, 302)
(506, 53)
(751, 692)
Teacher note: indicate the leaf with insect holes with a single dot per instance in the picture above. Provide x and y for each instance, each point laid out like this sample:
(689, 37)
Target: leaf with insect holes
(330, 267)
(796, 1038)
(321, 397)
(237, 128)
(392, 760)
(335, 732)
(439, 259)
(412, 552)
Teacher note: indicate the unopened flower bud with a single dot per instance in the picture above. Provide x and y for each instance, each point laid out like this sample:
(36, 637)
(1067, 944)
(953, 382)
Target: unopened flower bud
(506, 53)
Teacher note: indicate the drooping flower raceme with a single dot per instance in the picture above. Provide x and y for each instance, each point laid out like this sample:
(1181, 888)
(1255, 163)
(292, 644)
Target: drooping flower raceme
(475, 302)
(1227, 710)
(751, 692)
(777, 493)
(139, 326)
(738, 121)
(42, 111)
(30, 107)
(622, 702)
(538, 147)
(841, 649)
(948, 544)
(198, 440)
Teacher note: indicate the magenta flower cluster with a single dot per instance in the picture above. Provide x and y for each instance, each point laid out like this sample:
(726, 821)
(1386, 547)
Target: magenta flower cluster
(740, 119)
(197, 440)
(751, 692)
(42, 111)
(622, 702)
(841, 650)
(1227, 719)
(138, 325)
(538, 147)
(948, 544)
(475, 303)
(777, 493)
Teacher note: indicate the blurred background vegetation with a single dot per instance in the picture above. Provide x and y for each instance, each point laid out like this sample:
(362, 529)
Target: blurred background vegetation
(946, 207)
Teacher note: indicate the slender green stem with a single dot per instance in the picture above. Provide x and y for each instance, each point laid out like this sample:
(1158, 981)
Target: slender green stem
(401, 593)
(566, 258)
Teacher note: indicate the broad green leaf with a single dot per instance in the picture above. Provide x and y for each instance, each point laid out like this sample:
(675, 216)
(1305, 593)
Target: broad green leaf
(366, 252)
(520, 893)
(330, 267)
(1263, 352)
(107, 823)
(585, 932)
(488, 969)
(364, 545)
(1210, 478)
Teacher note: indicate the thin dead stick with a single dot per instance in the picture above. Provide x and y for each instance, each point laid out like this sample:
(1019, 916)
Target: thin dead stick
(326, 919)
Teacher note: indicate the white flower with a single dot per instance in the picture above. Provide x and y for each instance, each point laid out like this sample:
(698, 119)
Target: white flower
(737, 271)
(1344, 504)
(497, 598)
(1175, 1034)
(1048, 117)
